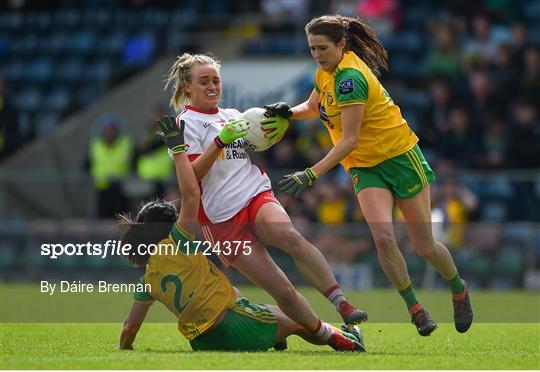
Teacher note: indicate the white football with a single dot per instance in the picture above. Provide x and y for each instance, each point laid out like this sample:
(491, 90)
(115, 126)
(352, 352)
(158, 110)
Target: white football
(255, 139)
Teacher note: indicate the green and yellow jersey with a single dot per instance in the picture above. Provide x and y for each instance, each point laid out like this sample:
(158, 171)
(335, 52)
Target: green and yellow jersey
(384, 133)
(189, 285)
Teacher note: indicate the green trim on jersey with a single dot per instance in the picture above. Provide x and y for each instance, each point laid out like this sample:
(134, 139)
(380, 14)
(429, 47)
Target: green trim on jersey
(142, 296)
(180, 237)
(351, 86)
(245, 327)
(404, 175)
(317, 89)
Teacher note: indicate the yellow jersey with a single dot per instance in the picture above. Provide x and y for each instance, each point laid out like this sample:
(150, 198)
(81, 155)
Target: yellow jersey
(384, 133)
(189, 285)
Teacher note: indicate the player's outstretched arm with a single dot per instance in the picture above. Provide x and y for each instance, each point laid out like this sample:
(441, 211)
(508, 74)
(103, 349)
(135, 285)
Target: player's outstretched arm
(132, 324)
(351, 121)
(173, 136)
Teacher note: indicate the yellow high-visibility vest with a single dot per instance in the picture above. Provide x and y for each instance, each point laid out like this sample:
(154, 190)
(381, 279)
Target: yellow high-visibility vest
(109, 162)
(155, 166)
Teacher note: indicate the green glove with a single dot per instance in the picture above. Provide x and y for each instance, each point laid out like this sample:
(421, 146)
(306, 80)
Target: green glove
(275, 128)
(296, 182)
(172, 134)
(231, 131)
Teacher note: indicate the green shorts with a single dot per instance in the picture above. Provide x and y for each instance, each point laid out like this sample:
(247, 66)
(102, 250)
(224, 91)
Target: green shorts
(404, 175)
(245, 327)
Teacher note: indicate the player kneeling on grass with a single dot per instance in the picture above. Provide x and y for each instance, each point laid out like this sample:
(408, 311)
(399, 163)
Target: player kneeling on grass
(209, 313)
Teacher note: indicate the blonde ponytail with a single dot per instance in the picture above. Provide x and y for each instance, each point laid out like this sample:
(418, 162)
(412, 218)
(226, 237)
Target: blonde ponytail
(180, 74)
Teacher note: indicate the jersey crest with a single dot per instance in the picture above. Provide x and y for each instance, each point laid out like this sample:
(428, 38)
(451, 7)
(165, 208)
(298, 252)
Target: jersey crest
(329, 99)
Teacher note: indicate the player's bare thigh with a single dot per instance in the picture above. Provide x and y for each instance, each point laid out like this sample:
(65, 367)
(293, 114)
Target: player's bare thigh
(416, 211)
(377, 207)
(273, 225)
(261, 269)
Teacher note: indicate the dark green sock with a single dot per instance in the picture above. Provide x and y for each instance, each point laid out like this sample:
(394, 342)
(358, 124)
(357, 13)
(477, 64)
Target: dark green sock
(456, 285)
(409, 296)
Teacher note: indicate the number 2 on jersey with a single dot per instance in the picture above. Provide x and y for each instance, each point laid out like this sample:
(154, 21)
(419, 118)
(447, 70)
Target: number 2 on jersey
(178, 287)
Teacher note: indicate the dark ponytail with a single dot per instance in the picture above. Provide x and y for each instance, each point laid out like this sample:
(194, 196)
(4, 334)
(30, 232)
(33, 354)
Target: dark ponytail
(153, 223)
(361, 39)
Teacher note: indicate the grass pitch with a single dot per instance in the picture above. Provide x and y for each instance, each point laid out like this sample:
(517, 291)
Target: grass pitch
(395, 345)
(160, 346)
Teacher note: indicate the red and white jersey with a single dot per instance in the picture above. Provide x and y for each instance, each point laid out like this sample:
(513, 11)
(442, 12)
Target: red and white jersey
(233, 180)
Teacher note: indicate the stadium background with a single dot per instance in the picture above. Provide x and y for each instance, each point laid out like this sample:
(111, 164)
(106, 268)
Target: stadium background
(466, 75)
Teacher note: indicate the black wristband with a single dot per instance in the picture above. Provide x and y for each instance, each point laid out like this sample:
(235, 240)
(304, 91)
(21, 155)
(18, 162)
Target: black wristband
(219, 143)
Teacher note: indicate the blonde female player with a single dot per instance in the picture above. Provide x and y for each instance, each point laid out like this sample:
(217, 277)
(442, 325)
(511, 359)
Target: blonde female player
(237, 203)
(375, 145)
(209, 313)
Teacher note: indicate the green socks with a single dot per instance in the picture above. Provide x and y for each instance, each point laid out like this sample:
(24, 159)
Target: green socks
(409, 296)
(456, 285)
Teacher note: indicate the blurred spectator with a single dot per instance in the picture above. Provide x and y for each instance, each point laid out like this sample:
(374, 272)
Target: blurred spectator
(481, 47)
(10, 133)
(332, 205)
(504, 73)
(524, 136)
(524, 153)
(459, 144)
(494, 143)
(518, 43)
(109, 160)
(444, 58)
(434, 120)
(484, 100)
(309, 202)
(347, 8)
(530, 80)
(282, 10)
(457, 203)
(151, 158)
(382, 15)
